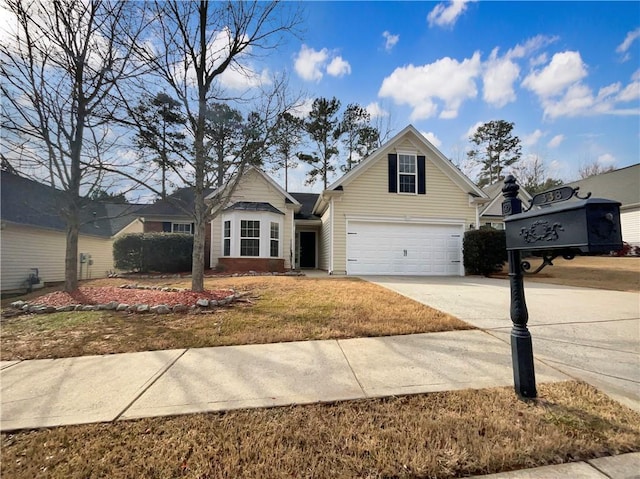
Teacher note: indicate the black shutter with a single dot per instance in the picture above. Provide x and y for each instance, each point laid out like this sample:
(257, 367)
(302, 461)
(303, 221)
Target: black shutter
(166, 226)
(422, 183)
(393, 173)
(193, 228)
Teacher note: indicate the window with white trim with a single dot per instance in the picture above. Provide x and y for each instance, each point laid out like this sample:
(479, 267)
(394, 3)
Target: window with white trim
(184, 228)
(274, 245)
(407, 173)
(227, 239)
(249, 238)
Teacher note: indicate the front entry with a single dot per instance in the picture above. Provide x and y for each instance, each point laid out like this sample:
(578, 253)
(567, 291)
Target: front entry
(307, 249)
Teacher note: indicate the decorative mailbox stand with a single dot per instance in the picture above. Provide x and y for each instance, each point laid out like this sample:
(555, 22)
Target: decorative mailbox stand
(549, 228)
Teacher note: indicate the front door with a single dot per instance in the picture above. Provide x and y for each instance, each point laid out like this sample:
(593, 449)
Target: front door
(307, 249)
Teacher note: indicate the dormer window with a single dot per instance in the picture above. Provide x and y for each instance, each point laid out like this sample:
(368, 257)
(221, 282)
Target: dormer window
(407, 173)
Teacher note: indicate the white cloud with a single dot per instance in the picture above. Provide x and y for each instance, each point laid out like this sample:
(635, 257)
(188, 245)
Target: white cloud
(606, 159)
(237, 77)
(444, 15)
(555, 141)
(311, 64)
(532, 139)
(498, 78)
(530, 46)
(339, 67)
(308, 63)
(564, 69)
(626, 44)
(446, 80)
(433, 139)
(538, 60)
(471, 131)
(375, 110)
(390, 40)
(630, 93)
(303, 109)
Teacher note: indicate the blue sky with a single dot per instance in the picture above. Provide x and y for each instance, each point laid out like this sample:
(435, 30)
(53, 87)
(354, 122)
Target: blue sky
(566, 73)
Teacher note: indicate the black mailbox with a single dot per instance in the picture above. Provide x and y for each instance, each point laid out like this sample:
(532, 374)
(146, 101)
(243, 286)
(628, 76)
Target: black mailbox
(588, 226)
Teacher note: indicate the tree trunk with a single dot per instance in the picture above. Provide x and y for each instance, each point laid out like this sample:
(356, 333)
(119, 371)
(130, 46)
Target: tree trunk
(71, 253)
(197, 265)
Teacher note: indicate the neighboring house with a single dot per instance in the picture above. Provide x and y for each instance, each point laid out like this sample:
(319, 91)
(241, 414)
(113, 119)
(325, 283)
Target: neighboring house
(491, 213)
(32, 233)
(621, 185)
(402, 210)
(173, 215)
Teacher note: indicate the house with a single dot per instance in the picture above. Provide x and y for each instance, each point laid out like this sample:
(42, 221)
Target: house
(491, 212)
(402, 210)
(32, 233)
(621, 185)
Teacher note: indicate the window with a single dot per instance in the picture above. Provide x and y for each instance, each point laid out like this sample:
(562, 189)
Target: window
(181, 228)
(407, 173)
(249, 238)
(227, 239)
(275, 240)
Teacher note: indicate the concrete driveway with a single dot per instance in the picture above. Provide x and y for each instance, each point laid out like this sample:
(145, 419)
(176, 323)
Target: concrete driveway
(589, 334)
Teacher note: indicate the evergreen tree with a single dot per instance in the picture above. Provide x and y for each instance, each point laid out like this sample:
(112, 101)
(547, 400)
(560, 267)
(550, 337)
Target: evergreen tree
(360, 137)
(495, 148)
(223, 138)
(160, 132)
(286, 137)
(323, 128)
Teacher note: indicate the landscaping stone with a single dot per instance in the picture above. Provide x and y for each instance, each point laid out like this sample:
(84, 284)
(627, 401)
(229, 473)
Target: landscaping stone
(111, 305)
(50, 309)
(213, 303)
(204, 303)
(142, 308)
(160, 309)
(18, 304)
(64, 309)
(122, 307)
(180, 308)
(89, 307)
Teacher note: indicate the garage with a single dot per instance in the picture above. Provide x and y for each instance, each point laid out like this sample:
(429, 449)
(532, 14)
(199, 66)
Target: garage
(404, 248)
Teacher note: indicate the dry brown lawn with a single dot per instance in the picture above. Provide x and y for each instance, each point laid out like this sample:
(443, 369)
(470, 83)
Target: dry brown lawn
(438, 435)
(279, 309)
(602, 272)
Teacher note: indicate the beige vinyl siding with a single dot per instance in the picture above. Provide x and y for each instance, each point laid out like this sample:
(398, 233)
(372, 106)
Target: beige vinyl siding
(25, 247)
(324, 248)
(254, 187)
(136, 226)
(367, 195)
(630, 224)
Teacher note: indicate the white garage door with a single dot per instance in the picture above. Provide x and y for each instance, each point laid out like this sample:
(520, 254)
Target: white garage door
(404, 249)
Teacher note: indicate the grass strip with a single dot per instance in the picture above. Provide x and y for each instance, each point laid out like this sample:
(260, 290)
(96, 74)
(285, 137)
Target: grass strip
(437, 435)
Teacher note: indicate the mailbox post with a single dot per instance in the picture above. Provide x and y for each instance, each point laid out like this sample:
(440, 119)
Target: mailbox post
(524, 377)
(554, 228)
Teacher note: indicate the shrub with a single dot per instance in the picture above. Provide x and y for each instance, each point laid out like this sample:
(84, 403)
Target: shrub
(485, 251)
(161, 252)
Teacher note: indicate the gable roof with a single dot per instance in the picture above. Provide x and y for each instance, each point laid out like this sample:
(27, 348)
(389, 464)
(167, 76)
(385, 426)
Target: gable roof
(441, 161)
(307, 200)
(179, 203)
(28, 202)
(268, 179)
(621, 185)
(494, 191)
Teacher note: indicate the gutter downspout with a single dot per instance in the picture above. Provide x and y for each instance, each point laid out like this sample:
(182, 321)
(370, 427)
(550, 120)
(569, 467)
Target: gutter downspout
(331, 236)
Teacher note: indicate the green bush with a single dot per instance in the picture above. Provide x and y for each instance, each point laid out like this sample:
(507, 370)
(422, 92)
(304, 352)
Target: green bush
(485, 251)
(159, 252)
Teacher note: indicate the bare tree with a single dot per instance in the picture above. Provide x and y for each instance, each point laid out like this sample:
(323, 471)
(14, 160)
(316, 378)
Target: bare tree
(532, 174)
(194, 45)
(592, 169)
(59, 67)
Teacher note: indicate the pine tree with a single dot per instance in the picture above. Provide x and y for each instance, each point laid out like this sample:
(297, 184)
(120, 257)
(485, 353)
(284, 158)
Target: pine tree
(495, 148)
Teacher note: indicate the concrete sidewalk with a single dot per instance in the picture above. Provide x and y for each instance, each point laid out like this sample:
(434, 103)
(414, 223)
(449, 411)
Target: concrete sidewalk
(44, 393)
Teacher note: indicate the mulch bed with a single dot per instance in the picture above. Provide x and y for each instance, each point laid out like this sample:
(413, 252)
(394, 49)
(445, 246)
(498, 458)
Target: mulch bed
(103, 295)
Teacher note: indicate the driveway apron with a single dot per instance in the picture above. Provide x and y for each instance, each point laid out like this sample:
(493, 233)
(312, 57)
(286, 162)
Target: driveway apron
(589, 334)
